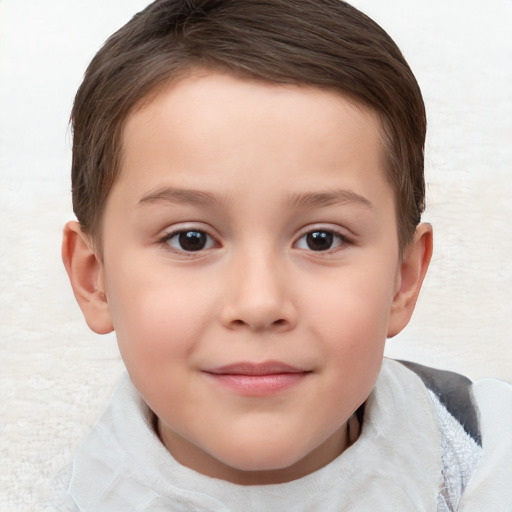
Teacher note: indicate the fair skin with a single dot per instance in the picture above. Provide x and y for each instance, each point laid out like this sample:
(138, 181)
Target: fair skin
(251, 270)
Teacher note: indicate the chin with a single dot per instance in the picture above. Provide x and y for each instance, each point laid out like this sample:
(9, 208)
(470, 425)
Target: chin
(259, 465)
(260, 462)
(258, 458)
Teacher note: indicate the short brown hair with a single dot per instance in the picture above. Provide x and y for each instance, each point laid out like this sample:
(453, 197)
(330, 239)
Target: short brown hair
(322, 43)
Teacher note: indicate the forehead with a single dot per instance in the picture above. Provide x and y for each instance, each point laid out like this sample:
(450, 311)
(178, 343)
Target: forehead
(210, 113)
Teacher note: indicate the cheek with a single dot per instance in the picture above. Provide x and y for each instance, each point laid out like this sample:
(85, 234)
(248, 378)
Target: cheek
(157, 320)
(352, 321)
(353, 307)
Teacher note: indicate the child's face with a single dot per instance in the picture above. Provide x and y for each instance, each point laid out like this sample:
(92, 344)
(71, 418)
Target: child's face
(252, 270)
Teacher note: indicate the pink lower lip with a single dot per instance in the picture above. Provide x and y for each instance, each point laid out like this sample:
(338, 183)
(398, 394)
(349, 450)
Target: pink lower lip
(258, 385)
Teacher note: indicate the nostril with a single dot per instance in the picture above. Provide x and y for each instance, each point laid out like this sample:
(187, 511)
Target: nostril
(259, 326)
(280, 325)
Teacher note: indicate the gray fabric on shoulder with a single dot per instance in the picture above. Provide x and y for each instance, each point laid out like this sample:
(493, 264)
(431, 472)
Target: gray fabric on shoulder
(461, 455)
(454, 392)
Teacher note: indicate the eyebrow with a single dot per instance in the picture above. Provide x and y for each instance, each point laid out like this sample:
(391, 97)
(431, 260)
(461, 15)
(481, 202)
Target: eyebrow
(302, 200)
(319, 199)
(181, 196)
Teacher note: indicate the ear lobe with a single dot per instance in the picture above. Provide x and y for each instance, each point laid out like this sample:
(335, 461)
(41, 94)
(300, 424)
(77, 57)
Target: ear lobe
(413, 268)
(85, 272)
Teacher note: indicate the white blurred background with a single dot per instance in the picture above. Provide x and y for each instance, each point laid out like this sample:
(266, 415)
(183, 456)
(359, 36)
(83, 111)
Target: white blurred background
(55, 375)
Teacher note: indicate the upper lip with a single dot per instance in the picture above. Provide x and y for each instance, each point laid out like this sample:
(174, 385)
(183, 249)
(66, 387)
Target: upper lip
(248, 368)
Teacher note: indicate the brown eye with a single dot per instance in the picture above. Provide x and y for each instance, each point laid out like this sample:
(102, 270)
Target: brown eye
(320, 240)
(190, 241)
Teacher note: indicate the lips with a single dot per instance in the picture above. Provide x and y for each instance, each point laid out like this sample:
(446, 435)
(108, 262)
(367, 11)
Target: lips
(257, 379)
(245, 368)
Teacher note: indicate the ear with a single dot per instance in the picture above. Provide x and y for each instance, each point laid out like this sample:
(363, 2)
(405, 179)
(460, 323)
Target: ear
(85, 271)
(413, 268)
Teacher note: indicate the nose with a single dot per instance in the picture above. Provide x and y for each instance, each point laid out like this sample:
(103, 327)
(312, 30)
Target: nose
(258, 296)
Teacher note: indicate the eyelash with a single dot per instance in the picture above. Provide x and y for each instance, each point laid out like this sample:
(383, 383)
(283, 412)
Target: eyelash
(331, 235)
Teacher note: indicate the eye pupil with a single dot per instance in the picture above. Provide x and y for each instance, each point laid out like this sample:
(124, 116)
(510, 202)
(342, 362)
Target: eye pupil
(192, 240)
(319, 240)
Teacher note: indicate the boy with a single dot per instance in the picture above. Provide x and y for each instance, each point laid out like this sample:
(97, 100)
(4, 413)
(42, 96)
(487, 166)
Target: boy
(248, 182)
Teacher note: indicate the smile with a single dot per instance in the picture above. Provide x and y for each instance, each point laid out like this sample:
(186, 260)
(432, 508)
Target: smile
(261, 379)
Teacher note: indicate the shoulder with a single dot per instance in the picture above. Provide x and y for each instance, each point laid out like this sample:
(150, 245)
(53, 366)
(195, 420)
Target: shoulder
(483, 409)
(491, 486)
(455, 392)
(475, 405)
